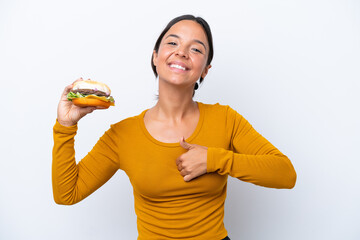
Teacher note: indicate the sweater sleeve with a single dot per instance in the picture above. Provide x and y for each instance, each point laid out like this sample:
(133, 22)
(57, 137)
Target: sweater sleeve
(251, 157)
(73, 182)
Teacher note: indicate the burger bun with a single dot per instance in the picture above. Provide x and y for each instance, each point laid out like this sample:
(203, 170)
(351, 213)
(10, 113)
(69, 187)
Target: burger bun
(90, 102)
(92, 85)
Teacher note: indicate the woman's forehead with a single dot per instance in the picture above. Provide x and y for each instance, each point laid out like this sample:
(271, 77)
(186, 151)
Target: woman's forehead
(188, 29)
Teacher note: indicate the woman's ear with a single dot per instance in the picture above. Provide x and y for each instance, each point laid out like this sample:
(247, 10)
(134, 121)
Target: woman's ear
(205, 72)
(155, 55)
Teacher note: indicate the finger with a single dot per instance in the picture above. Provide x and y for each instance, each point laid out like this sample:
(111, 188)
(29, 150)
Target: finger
(179, 167)
(188, 178)
(67, 89)
(184, 144)
(77, 80)
(183, 172)
(178, 160)
(86, 110)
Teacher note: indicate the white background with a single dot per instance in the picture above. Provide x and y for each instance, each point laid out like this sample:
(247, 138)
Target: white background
(290, 67)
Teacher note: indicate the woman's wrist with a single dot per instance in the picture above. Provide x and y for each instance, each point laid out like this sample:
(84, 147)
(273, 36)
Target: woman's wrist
(66, 123)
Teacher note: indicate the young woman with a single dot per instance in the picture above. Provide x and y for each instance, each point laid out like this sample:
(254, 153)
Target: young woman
(178, 154)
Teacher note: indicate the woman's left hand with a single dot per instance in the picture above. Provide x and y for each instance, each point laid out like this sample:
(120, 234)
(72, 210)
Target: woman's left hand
(193, 163)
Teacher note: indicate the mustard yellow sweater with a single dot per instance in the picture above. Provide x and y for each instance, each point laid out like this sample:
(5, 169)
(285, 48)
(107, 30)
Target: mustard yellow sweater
(166, 206)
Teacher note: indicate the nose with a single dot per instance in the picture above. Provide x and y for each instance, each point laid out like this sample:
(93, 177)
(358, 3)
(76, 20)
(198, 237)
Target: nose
(182, 52)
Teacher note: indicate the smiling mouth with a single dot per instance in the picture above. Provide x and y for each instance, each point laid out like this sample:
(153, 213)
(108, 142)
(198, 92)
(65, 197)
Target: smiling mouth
(177, 67)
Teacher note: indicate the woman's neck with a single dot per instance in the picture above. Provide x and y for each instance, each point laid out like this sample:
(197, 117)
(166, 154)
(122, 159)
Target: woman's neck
(174, 103)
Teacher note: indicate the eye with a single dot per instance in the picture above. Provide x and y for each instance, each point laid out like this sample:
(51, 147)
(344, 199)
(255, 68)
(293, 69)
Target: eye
(197, 50)
(172, 43)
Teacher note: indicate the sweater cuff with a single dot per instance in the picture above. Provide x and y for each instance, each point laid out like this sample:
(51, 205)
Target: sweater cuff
(58, 128)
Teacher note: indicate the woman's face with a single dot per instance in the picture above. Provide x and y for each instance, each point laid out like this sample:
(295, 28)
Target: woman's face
(182, 55)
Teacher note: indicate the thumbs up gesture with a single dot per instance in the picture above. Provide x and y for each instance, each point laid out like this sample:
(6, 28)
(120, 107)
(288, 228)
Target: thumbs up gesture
(193, 163)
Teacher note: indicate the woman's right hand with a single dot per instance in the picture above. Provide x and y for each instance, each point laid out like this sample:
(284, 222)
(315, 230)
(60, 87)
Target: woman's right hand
(67, 113)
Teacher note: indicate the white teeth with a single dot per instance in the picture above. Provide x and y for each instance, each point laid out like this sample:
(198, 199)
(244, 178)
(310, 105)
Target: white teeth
(177, 66)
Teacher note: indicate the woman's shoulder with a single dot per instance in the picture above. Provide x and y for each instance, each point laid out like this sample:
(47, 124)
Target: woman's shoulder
(216, 107)
(221, 112)
(129, 122)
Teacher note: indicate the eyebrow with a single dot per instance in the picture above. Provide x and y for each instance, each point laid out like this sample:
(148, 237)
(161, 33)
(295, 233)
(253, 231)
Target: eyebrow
(195, 40)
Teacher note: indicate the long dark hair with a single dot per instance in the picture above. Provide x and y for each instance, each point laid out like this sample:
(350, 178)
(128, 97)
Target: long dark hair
(199, 20)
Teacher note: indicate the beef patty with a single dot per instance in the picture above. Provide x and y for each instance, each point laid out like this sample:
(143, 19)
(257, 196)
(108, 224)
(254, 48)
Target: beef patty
(90, 91)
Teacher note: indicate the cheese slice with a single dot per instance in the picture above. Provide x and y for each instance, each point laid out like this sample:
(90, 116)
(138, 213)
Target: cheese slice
(102, 98)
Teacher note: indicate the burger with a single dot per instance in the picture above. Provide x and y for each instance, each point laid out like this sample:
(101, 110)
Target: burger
(88, 93)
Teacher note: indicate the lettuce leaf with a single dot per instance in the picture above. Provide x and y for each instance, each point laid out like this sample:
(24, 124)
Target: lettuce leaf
(70, 96)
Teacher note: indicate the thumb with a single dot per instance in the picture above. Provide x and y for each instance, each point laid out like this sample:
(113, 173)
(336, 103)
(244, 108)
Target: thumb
(185, 145)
